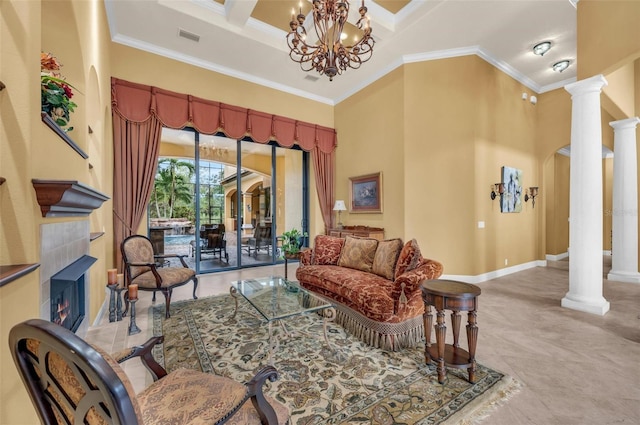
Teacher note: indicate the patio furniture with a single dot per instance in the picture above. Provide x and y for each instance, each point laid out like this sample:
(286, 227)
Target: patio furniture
(70, 381)
(140, 267)
(261, 240)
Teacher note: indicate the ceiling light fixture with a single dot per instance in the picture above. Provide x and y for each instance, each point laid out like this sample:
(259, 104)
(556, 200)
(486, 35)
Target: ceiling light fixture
(561, 66)
(541, 48)
(329, 56)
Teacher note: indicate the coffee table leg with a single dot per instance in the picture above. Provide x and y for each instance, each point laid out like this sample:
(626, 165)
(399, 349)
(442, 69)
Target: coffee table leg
(273, 343)
(441, 331)
(234, 293)
(472, 337)
(329, 314)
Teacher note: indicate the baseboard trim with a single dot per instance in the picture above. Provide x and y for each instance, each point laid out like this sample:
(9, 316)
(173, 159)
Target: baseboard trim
(557, 257)
(496, 273)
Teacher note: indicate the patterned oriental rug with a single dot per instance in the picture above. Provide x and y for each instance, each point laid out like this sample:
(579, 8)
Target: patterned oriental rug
(349, 384)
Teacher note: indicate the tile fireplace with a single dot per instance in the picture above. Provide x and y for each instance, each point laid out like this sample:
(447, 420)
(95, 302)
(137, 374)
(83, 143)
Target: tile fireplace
(65, 260)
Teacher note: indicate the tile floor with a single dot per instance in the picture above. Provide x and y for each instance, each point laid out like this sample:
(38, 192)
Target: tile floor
(574, 367)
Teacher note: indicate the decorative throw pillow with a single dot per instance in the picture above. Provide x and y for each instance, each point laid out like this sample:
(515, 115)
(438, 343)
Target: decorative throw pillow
(326, 250)
(409, 258)
(358, 253)
(384, 262)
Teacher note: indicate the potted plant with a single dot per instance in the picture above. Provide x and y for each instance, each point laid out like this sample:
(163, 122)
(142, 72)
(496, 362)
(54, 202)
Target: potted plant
(292, 240)
(56, 93)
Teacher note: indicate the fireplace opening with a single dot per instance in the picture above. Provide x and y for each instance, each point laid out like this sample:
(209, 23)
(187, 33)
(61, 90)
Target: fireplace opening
(67, 294)
(67, 303)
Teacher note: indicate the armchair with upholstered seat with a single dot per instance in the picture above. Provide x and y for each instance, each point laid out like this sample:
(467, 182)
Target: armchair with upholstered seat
(140, 267)
(70, 381)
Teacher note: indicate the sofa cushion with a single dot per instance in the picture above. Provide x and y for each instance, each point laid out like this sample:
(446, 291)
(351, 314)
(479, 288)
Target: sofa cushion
(384, 262)
(326, 250)
(409, 258)
(358, 253)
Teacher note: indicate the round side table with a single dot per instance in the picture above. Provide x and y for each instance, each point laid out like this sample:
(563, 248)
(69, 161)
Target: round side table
(457, 297)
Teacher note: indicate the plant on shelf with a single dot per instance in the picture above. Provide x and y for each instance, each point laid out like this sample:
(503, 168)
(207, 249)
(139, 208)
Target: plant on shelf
(292, 241)
(56, 93)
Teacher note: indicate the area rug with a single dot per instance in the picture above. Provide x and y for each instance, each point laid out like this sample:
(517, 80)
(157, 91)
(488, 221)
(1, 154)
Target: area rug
(347, 382)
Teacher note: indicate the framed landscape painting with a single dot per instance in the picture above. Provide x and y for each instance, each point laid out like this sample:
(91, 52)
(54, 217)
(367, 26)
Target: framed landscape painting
(365, 193)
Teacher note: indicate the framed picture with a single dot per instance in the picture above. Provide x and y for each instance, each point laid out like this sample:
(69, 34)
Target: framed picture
(512, 198)
(365, 194)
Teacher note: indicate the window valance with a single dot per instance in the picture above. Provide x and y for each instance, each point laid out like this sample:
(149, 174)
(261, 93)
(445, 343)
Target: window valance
(138, 102)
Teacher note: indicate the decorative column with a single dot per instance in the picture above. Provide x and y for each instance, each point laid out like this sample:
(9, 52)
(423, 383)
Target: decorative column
(585, 204)
(624, 262)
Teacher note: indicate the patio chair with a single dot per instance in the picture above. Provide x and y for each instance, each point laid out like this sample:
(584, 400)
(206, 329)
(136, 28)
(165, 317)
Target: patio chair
(70, 381)
(261, 239)
(215, 243)
(140, 267)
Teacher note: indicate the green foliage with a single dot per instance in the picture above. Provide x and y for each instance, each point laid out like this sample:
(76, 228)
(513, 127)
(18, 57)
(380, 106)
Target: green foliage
(172, 187)
(55, 92)
(292, 241)
(184, 211)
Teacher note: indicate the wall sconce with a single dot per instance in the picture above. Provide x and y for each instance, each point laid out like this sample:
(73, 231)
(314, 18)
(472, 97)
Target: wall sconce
(497, 189)
(339, 206)
(532, 193)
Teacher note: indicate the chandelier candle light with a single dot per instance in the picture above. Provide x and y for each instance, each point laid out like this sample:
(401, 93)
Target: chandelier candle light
(329, 56)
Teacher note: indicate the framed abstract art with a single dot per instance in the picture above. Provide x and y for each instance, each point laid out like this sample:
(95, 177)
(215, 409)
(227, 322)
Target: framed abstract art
(511, 201)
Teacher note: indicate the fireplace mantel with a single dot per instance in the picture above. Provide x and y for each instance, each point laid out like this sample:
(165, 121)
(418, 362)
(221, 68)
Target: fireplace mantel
(66, 198)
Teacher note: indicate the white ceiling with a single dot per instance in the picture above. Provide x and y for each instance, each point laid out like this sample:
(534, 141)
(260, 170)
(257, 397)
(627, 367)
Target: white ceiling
(233, 43)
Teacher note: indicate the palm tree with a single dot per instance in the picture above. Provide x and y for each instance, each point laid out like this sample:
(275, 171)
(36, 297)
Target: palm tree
(172, 183)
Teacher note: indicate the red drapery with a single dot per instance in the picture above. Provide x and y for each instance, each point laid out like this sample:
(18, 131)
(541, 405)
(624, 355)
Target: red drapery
(140, 111)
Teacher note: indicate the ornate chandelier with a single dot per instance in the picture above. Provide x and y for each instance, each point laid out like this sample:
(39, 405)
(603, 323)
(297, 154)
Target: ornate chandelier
(329, 56)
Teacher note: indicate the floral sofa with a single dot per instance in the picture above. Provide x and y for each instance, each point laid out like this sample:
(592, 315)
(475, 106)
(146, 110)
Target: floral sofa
(375, 286)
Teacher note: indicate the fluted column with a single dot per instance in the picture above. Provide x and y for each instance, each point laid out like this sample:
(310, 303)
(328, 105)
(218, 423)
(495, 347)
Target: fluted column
(624, 262)
(585, 204)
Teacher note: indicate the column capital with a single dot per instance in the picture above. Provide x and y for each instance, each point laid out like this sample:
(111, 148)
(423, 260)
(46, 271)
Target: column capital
(625, 124)
(588, 85)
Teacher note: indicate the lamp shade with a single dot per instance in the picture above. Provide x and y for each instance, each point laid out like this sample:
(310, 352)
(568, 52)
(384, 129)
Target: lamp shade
(339, 206)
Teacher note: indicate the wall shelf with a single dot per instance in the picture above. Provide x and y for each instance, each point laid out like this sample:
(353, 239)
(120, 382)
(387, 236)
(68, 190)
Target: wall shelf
(62, 134)
(12, 272)
(95, 235)
(66, 198)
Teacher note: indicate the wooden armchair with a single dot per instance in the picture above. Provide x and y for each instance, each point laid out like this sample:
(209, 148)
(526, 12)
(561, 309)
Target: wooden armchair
(70, 381)
(140, 267)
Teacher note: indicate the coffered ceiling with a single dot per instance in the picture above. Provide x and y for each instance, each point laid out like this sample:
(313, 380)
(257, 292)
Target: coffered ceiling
(246, 38)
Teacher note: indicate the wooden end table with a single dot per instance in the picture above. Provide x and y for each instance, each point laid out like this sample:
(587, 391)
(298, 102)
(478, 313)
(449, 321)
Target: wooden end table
(457, 297)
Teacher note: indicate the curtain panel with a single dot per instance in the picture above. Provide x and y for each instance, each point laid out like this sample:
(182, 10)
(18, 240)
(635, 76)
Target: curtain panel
(139, 112)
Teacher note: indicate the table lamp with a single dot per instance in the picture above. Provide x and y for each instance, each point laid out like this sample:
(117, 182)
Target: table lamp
(339, 206)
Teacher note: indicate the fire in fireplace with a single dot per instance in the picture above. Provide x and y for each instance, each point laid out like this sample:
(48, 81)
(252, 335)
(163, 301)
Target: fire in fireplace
(68, 293)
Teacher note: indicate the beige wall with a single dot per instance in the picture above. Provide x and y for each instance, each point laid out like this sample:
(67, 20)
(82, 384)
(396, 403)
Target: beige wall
(440, 148)
(608, 35)
(31, 150)
(371, 137)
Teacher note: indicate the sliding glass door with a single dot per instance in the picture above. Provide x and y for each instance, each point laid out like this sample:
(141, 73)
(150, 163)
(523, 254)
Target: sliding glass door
(243, 196)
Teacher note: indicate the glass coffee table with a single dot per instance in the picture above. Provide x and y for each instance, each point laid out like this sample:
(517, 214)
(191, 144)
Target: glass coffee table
(275, 299)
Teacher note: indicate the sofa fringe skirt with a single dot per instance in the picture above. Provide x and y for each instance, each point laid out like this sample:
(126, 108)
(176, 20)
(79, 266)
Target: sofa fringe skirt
(386, 336)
